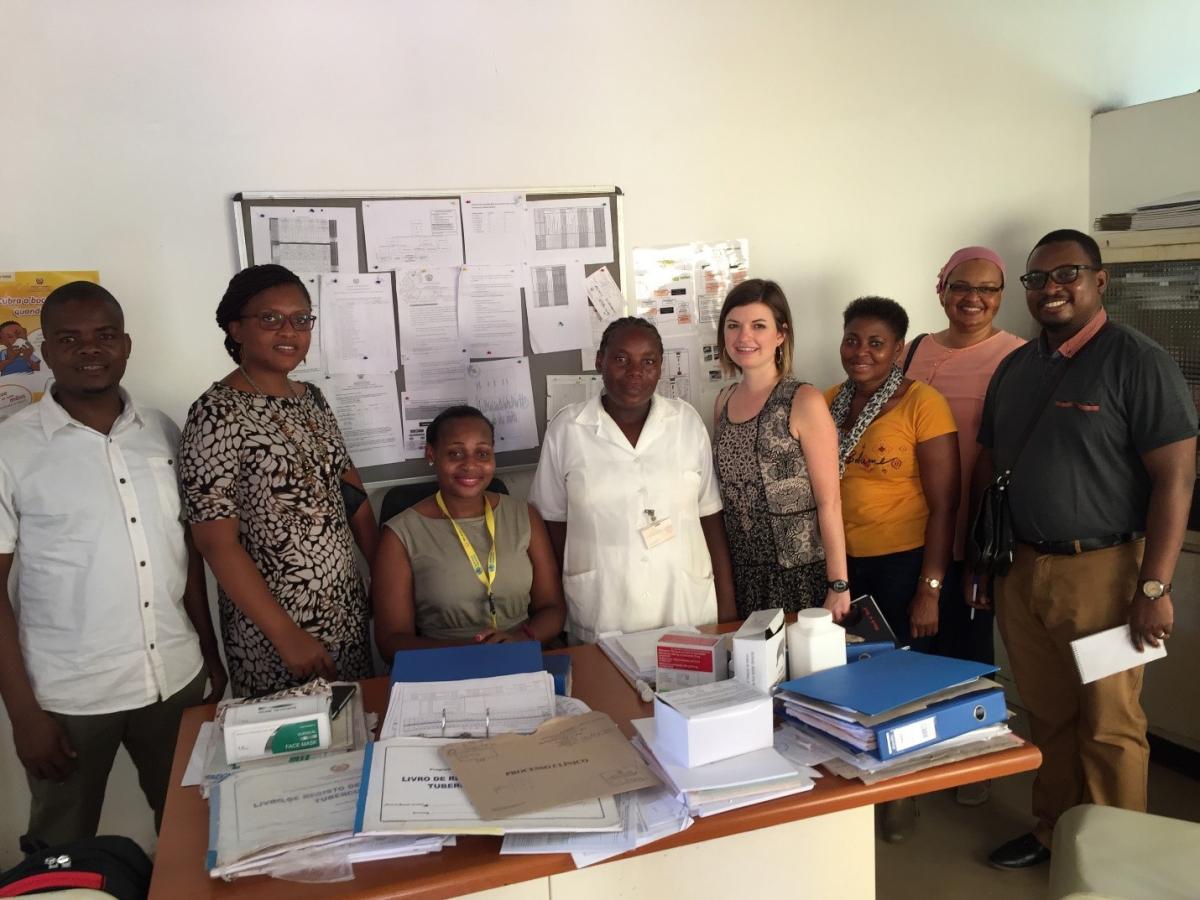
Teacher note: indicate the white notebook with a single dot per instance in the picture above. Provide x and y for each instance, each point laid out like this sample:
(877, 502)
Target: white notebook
(1109, 652)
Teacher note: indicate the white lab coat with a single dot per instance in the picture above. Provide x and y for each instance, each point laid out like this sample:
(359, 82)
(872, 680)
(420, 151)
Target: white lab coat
(590, 477)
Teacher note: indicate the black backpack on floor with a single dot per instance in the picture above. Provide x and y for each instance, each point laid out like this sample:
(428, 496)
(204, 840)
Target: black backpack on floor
(114, 865)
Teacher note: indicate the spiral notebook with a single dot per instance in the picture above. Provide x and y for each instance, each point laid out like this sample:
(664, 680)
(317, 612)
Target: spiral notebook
(1109, 652)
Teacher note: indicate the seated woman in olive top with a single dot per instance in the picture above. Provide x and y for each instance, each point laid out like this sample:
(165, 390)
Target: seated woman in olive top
(464, 566)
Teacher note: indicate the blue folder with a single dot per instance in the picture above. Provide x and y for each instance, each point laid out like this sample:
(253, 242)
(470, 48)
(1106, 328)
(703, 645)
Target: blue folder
(886, 681)
(559, 666)
(469, 661)
(859, 652)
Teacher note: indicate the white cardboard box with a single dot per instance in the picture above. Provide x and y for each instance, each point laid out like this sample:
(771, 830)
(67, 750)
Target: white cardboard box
(698, 725)
(686, 660)
(290, 725)
(759, 650)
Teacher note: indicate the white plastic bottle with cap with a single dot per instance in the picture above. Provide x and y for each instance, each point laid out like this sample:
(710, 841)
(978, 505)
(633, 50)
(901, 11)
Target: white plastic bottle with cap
(814, 643)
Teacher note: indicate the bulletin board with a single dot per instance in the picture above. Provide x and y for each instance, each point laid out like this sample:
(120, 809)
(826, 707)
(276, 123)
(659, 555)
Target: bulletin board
(332, 256)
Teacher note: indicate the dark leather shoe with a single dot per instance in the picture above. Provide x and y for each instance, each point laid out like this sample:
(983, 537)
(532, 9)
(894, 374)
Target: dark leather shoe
(1020, 853)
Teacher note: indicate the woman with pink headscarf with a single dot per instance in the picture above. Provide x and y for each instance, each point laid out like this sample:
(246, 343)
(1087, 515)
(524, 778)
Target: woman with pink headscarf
(959, 362)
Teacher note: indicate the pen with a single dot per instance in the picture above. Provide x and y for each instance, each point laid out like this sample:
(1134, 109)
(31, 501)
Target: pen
(974, 594)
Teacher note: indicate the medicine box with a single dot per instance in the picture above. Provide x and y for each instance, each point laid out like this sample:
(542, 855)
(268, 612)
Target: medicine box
(686, 660)
(759, 650)
(700, 725)
(290, 725)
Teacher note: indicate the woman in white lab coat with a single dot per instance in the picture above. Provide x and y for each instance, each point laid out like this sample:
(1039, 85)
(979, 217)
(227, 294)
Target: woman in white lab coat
(626, 486)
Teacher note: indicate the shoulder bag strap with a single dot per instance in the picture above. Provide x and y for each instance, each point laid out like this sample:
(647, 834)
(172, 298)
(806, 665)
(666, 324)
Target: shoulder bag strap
(912, 351)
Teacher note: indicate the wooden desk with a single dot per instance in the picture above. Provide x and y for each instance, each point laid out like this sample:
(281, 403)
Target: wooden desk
(475, 864)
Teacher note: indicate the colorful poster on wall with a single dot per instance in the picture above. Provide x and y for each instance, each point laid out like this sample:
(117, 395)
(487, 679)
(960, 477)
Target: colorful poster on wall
(23, 375)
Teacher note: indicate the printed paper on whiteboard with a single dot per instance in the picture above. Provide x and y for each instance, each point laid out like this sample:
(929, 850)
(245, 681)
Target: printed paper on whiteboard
(427, 310)
(358, 328)
(305, 239)
(575, 230)
(664, 286)
(503, 391)
(563, 390)
(494, 228)
(417, 232)
(437, 377)
(418, 413)
(678, 373)
(605, 304)
(556, 307)
(367, 410)
(489, 311)
(719, 267)
(311, 366)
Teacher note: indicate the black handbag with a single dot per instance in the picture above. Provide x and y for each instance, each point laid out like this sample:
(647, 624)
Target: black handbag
(991, 542)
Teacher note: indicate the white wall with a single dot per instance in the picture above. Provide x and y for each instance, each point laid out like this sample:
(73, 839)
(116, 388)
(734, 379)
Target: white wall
(855, 144)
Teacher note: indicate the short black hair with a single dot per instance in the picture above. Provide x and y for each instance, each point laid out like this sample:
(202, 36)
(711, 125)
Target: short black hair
(452, 413)
(629, 322)
(1084, 242)
(886, 310)
(4, 325)
(78, 290)
(244, 287)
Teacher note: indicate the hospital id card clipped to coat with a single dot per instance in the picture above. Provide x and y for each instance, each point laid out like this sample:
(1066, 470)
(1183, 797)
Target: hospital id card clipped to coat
(659, 531)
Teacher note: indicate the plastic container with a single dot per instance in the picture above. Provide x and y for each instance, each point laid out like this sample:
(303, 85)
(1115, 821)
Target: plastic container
(814, 643)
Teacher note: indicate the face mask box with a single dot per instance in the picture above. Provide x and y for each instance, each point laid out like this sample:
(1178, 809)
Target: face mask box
(290, 725)
(758, 650)
(704, 724)
(686, 660)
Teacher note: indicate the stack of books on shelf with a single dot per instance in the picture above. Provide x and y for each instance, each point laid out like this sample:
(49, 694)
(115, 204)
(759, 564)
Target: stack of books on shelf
(897, 713)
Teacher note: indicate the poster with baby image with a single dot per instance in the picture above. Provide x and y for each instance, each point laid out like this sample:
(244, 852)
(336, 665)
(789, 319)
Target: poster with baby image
(23, 375)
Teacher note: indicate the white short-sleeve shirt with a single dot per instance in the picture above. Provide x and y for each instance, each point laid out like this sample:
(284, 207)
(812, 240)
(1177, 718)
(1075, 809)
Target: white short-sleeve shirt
(590, 477)
(95, 523)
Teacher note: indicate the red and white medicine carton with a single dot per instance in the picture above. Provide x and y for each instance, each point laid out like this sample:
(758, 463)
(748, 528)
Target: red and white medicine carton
(686, 660)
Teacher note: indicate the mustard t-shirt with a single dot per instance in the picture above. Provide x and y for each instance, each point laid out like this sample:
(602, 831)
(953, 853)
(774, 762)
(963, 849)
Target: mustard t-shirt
(883, 505)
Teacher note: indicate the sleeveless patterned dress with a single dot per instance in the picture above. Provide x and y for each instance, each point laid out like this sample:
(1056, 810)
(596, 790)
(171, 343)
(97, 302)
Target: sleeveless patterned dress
(275, 464)
(770, 511)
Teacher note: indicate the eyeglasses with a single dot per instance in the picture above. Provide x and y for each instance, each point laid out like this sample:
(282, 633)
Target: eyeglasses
(1035, 281)
(960, 289)
(269, 320)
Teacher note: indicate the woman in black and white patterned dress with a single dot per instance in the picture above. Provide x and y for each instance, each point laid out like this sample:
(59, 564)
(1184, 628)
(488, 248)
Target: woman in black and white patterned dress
(262, 466)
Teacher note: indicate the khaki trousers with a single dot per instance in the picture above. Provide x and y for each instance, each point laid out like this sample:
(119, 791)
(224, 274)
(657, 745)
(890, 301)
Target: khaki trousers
(61, 812)
(1092, 737)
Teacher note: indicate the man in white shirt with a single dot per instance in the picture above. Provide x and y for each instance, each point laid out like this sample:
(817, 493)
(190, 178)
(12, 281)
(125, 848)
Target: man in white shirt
(114, 637)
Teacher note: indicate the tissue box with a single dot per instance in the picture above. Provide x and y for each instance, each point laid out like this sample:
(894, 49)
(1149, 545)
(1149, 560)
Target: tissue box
(291, 725)
(700, 725)
(759, 657)
(686, 660)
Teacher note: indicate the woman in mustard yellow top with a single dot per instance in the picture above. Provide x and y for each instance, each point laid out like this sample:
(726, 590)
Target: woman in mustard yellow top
(900, 484)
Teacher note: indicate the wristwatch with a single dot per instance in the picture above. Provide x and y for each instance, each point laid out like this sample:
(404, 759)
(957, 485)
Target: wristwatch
(935, 583)
(838, 585)
(1152, 588)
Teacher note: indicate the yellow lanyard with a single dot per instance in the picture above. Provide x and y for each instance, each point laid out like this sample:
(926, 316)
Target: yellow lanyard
(487, 577)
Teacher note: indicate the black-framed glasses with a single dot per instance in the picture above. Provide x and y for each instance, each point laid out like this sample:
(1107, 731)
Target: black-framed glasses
(1036, 280)
(960, 289)
(269, 320)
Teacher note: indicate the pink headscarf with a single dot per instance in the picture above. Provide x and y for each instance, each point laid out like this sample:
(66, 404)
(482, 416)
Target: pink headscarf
(961, 256)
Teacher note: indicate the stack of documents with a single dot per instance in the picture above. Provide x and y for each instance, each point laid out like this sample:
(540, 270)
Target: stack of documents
(649, 815)
(728, 784)
(636, 654)
(284, 819)
(897, 709)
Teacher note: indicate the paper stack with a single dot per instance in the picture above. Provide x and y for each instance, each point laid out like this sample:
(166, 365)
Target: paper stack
(731, 783)
(292, 820)
(898, 712)
(636, 654)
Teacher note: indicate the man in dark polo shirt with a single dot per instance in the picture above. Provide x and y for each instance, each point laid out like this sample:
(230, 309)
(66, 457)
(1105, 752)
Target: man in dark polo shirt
(1099, 500)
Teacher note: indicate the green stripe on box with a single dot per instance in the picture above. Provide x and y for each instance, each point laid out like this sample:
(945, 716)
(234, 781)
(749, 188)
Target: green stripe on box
(296, 736)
